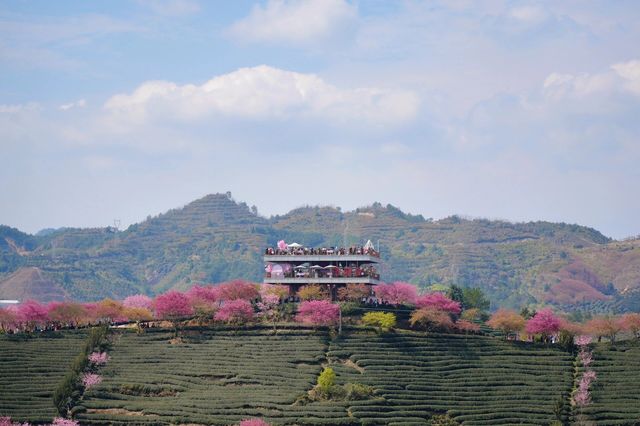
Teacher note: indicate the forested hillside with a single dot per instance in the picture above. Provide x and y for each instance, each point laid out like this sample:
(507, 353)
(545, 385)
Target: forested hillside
(215, 238)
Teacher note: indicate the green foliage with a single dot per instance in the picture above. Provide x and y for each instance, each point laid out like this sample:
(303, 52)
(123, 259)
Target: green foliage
(474, 297)
(443, 420)
(326, 380)
(382, 320)
(357, 391)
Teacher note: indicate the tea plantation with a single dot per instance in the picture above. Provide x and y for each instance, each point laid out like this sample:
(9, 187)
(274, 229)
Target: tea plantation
(30, 370)
(221, 376)
(616, 391)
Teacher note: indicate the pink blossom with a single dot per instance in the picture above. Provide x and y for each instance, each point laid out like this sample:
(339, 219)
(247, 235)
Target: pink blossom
(138, 301)
(32, 314)
(99, 358)
(6, 421)
(238, 289)
(582, 340)
(318, 312)
(89, 380)
(59, 421)
(172, 305)
(235, 311)
(282, 245)
(253, 422)
(398, 293)
(545, 322)
(438, 301)
(585, 358)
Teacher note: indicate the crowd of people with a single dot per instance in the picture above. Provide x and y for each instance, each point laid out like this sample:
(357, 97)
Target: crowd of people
(325, 272)
(322, 251)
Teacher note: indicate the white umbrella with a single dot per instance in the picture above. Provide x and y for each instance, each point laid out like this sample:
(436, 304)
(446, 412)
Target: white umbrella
(295, 245)
(369, 245)
(330, 266)
(301, 267)
(316, 267)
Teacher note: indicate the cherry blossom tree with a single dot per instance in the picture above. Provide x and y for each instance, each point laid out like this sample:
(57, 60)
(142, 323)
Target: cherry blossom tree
(507, 321)
(466, 326)
(318, 312)
(59, 421)
(6, 421)
(269, 307)
(109, 310)
(32, 314)
(8, 320)
(236, 311)
(172, 305)
(354, 292)
(398, 293)
(544, 323)
(238, 289)
(138, 301)
(605, 326)
(67, 313)
(89, 380)
(272, 289)
(431, 319)
(98, 358)
(631, 322)
(439, 301)
(204, 300)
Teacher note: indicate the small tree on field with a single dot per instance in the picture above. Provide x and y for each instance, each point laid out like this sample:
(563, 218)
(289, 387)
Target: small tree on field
(313, 292)
(431, 319)
(466, 326)
(7, 320)
(32, 314)
(326, 381)
(398, 293)
(172, 306)
(507, 321)
(318, 312)
(438, 301)
(382, 320)
(605, 326)
(631, 322)
(354, 292)
(544, 323)
(238, 289)
(237, 312)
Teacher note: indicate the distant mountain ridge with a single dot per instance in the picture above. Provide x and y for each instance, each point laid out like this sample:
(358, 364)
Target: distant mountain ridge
(215, 238)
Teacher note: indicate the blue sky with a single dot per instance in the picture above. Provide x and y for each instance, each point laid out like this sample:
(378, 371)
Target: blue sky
(514, 110)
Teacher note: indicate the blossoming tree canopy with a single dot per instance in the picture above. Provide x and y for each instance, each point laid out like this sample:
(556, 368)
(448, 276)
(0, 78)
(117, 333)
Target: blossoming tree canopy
(238, 289)
(507, 321)
(138, 301)
(544, 323)
(67, 313)
(439, 301)
(398, 293)
(32, 314)
(172, 305)
(236, 311)
(318, 312)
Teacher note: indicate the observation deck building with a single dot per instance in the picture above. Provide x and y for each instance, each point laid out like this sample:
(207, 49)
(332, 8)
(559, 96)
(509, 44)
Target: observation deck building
(296, 266)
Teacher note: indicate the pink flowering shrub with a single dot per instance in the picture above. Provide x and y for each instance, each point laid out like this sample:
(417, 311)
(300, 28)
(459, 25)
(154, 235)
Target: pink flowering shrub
(238, 289)
(253, 422)
(6, 421)
(544, 323)
(582, 340)
(89, 380)
(138, 301)
(282, 245)
(236, 311)
(438, 301)
(32, 314)
(398, 293)
(59, 421)
(318, 312)
(99, 358)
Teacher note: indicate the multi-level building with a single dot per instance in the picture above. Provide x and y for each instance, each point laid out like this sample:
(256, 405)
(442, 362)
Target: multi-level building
(295, 266)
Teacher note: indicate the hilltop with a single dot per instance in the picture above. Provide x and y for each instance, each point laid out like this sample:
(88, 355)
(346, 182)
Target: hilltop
(216, 238)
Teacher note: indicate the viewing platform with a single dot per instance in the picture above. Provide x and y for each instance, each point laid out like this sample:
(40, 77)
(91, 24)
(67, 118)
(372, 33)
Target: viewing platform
(296, 266)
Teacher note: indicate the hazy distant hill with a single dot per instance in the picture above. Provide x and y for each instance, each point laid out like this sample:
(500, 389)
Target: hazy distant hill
(216, 238)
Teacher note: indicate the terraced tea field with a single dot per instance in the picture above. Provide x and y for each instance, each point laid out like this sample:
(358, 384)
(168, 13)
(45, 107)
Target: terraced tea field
(616, 391)
(30, 370)
(477, 380)
(218, 377)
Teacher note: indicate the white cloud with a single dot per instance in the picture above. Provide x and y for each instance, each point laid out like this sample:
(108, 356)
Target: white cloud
(264, 92)
(77, 104)
(293, 21)
(18, 108)
(621, 77)
(630, 72)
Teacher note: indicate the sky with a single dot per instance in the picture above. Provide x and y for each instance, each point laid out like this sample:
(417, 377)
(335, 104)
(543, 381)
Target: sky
(513, 110)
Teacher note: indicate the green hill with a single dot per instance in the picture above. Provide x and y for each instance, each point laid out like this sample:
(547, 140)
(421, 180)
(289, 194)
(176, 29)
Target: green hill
(215, 238)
